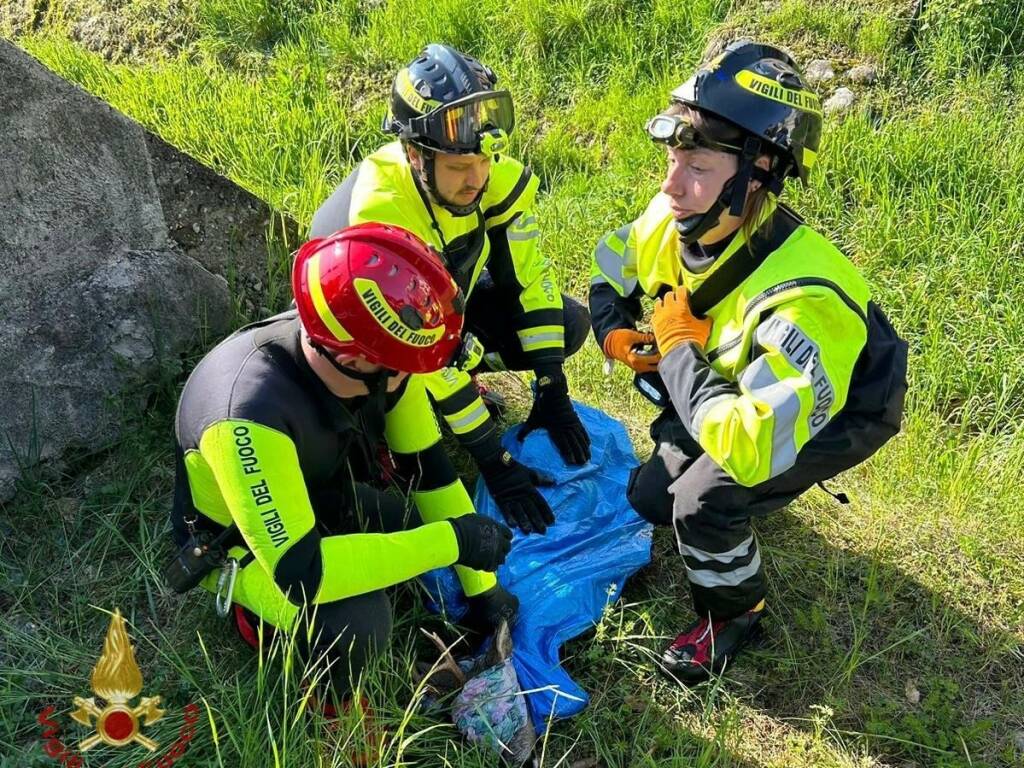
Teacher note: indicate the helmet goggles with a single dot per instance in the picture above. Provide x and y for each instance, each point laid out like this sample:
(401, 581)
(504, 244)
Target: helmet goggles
(478, 123)
(677, 132)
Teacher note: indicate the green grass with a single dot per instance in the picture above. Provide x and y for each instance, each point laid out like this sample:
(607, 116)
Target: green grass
(917, 586)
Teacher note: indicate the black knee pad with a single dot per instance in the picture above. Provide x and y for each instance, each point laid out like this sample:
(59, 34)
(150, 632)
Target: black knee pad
(576, 318)
(648, 496)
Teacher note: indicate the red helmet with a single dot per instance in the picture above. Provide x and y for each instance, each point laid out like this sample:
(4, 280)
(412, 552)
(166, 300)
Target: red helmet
(380, 292)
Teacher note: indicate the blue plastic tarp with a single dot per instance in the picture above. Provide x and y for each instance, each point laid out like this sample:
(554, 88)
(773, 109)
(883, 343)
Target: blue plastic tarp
(565, 578)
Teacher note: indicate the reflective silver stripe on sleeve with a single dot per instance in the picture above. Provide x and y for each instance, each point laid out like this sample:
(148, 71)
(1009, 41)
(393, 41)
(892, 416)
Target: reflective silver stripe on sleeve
(611, 263)
(762, 383)
(516, 235)
(740, 550)
(711, 579)
(469, 418)
(702, 411)
(533, 338)
(804, 355)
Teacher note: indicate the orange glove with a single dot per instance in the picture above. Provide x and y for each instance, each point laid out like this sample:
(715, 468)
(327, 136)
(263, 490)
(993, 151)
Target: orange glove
(622, 343)
(675, 324)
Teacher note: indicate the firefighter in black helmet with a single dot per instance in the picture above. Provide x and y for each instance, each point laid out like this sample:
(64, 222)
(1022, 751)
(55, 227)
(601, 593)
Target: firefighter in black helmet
(778, 368)
(449, 179)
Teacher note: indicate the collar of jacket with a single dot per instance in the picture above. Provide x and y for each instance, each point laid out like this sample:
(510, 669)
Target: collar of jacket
(282, 343)
(693, 280)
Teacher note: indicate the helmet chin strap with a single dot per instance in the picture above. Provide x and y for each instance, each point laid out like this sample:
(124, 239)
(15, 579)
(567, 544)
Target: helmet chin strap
(376, 382)
(692, 228)
(733, 195)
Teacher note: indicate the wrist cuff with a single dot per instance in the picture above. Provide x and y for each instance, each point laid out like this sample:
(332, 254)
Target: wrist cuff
(551, 371)
(487, 451)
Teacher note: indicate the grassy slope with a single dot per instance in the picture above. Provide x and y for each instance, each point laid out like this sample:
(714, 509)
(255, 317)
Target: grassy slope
(916, 585)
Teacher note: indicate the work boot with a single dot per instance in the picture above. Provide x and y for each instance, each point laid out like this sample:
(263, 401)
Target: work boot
(495, 402)
(707, 646)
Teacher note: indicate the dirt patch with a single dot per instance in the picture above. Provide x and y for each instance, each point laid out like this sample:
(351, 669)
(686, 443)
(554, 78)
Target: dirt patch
(360, 88)
(137, 29)
(119, 30)
(19, 17)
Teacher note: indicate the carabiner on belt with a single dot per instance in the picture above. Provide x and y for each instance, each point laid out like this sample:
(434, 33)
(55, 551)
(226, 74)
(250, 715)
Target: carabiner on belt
(228, 573)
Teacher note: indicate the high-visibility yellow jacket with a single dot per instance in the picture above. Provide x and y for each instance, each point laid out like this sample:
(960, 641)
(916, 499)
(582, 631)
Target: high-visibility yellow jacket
(502, 234)
(784, 341)
(265, 446)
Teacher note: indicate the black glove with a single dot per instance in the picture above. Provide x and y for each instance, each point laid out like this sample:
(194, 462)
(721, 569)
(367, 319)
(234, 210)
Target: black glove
(486, 610)
(514, 488)
(552, 410)
(483, 543)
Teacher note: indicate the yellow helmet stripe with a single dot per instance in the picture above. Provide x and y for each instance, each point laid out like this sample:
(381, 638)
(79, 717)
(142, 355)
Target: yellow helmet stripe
(407, 91)
(377, 305)
(316, 291)
(763, 86)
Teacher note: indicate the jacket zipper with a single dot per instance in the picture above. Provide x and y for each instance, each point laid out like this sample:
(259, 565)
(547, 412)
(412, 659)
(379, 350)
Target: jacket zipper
(800, 282)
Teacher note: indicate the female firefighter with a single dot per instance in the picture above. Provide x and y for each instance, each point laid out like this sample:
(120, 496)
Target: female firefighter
(775, 368)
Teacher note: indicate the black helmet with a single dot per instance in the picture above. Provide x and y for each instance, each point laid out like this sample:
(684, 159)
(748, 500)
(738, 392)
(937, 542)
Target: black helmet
(758, 89)
(444, 101)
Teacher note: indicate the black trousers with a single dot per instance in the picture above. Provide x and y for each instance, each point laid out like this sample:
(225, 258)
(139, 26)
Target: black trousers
(712, 513)
(346, 633)
(488, 313)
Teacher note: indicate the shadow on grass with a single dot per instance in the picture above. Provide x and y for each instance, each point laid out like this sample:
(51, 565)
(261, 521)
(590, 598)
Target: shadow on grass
(855, 654)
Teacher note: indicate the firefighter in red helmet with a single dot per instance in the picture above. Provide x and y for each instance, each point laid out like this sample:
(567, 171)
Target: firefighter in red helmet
(276, 435)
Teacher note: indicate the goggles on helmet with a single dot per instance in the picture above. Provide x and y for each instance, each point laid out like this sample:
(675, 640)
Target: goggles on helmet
(677, 132)
(478, 123)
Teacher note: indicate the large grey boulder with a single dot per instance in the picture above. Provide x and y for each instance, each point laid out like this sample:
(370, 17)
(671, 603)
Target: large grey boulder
(100, 289)
(84, 330)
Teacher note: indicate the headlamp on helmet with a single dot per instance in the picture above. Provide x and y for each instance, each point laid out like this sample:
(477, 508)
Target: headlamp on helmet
(677, 132)
(493, 142)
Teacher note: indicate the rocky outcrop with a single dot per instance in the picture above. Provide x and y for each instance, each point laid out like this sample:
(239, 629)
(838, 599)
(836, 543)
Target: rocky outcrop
(114, 248)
